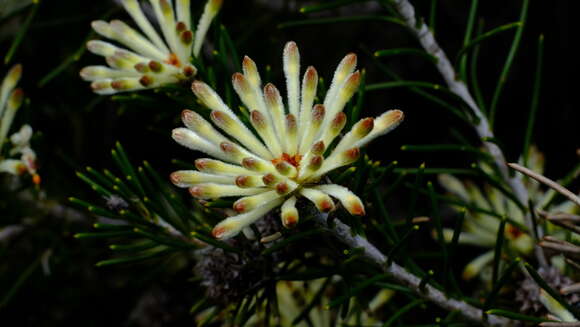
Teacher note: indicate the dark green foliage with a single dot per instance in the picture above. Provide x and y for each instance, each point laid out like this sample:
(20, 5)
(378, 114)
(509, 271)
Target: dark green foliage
(118, 232)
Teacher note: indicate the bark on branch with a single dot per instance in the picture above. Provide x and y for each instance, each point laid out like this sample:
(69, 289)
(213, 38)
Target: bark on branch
(457, 86)
(344, 234)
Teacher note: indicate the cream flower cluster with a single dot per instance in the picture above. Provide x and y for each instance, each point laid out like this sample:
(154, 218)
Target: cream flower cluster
(10, 102)
(289, 156)
(291, 296)
(148, 61)
(481, 229)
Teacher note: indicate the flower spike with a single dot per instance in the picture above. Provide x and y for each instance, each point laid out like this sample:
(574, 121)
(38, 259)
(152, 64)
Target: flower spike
(152, 58)
(290, 154)
(481, 229)
(11, 99)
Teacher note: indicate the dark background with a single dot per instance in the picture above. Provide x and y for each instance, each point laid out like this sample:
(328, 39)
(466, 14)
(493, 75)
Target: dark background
(78, 128)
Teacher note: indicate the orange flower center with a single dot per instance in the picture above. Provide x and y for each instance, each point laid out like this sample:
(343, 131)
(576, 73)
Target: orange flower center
(293, 160)
(173, 60)
(513, 232)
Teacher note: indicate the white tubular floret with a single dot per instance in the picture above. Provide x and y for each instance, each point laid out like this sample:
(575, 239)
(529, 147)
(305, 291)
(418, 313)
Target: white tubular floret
(202, 127)
(134, 10)
(321, 200)
(210, 10)
(349, 200)
(382, 125)
(189, 178)
(193, 141)
(215, 191)
(291, 63)
(231, 226)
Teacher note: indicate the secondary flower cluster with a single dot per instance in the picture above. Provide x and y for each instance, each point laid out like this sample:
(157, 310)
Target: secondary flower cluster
(481, 228)
(150, 60)
(289, 156)
(10, 102)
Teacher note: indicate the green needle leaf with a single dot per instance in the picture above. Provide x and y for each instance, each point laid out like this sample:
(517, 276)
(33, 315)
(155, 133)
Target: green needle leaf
(22, 30)
(535, 100)
(467, 37)
(408, 307)
(435, 171)
(433, 15)
(291, 239)
(129, 233)
(355, 290)
(385, 217)
(93, 208)
(233, 52)
(315, 300)
(355, 113)
(405, 51)
(435, 213)
(73, 58)
(394, 287)
(515, 315)
(421, 84)
(500, 283)
(555, 294)
(415, 193)
(328, 5)
(334, 20)
(95, 186)
(483, 37)
(499, 184)
(473, 66)
(551, 194)
(20, 281)
(508, 63)
(214, 242)
(400, 244)
(437, 100)
(445, 147)
(135, 247)
(499, 240)
(135, 258)
(424, 85)
(122, 160)
(110, 227)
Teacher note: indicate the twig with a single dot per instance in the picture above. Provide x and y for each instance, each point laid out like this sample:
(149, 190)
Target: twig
(572, 263)
(574, 288)
(567, 248)
(52, 207)
(344, 234)
(457, 86)
(566, 225)
(559, 324)
(560, 216)
(9, 232)
(544, 180)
